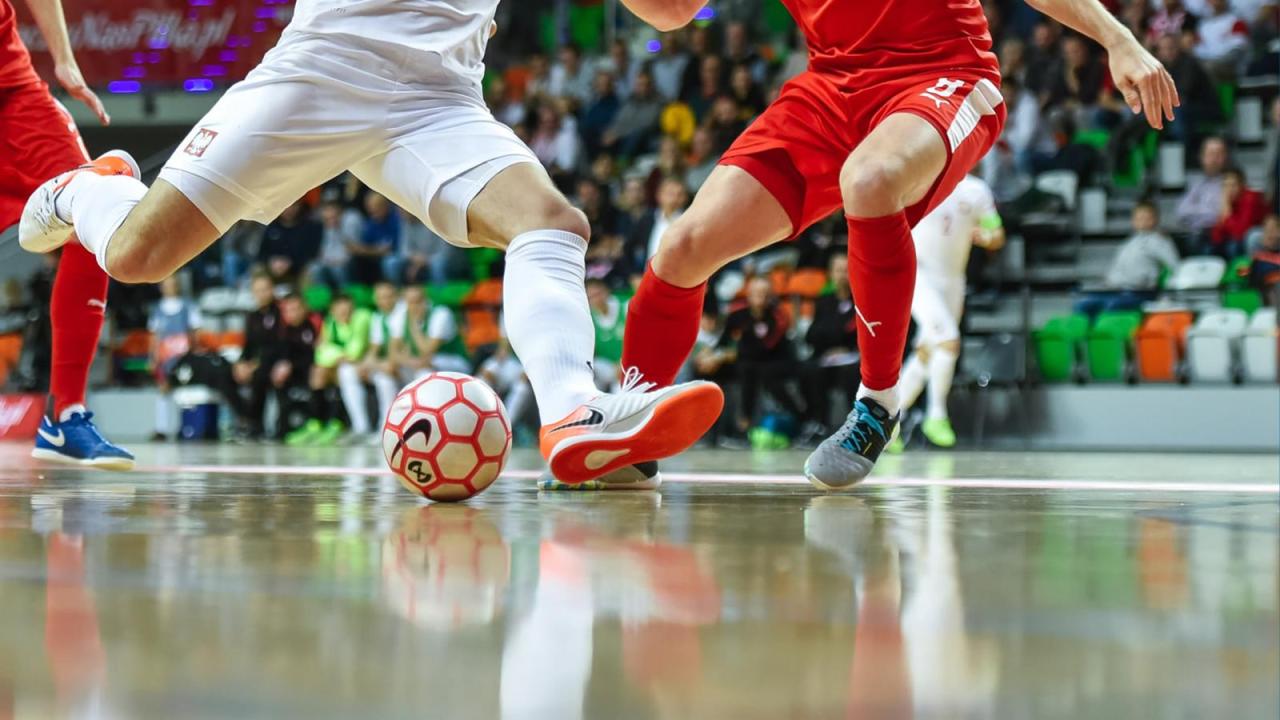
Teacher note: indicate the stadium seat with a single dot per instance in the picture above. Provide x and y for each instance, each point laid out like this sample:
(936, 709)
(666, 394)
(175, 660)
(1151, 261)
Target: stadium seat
(1260, 347)
(1212, 344)
(1063, 183)
(1057, 346)
(807, 284)
(1109, 344)
(1246, 299)
(1198, 273)
(361, 295)
(317, 297)
(450, 294)
(1160, 345)
(1237, 276)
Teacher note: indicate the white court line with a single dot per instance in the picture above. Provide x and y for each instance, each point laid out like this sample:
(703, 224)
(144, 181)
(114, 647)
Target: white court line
(1259, 488)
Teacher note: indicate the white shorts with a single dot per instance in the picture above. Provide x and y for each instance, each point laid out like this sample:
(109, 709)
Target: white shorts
(315, 108)
(936, 307)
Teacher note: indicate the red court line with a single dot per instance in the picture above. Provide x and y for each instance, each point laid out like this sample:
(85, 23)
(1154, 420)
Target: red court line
(1259, 488)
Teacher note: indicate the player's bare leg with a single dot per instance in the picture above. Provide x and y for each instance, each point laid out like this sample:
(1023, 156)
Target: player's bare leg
(138, 235)
(732, 215)
(892, 169)
(585, 434)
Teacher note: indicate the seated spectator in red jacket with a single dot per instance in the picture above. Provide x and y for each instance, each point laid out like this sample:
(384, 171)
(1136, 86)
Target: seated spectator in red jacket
(1242, 209)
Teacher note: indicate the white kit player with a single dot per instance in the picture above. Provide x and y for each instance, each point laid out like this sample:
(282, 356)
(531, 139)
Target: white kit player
(389, 89)
(943, 239)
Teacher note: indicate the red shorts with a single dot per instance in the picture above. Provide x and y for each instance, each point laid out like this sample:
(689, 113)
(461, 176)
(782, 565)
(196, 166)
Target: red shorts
(798, 145)
(38, 139)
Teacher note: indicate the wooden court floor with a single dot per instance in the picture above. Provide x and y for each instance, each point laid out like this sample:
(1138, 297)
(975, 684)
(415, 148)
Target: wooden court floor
(265, 582)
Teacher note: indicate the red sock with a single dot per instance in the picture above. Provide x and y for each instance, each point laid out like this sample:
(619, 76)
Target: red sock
(76, 309)
(882, 274)
(661, 327)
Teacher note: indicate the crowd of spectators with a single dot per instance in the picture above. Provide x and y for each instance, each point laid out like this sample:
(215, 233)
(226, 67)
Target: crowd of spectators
(631, 132)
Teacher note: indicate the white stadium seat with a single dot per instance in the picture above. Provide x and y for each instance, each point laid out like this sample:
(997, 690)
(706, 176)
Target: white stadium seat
(1198, 273)
(1212, 344)
(1260, 342)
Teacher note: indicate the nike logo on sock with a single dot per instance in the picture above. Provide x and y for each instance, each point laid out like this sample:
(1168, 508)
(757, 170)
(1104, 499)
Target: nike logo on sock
(55, 440)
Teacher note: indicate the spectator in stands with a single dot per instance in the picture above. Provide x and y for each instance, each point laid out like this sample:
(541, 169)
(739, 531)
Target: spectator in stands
(833, 337)
(633, 204)
(342, 229)
(636, 124)
(1025, 132)
(673, 198)
(1043, 55)
(1199, 98)
(428, 339)
(377, 366)
(1077, 81)
(503, 103)
(607, 261)
(1264, 266)
(374, 255)
(289, 355)
(239, 244)
(609, 316)
(725, 122)
(702, 159)
(1224, 41)
(173, 326)
(262, 330)
(765, 357)
(590, 198)
(599, 113)
(1135, 273)
(570, 76)
(708, 85)
(344, 337)
(1167, 21)
(746, 91)
(1241, 210)
(621, 67)
(1271, 163)
(555, 139)
(1201, 204)
(289, 244)
(1013, 62)
(740, 53)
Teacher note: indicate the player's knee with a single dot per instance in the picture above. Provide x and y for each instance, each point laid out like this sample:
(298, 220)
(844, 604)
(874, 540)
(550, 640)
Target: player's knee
(684, 258)
(950, 345)
(556, 214)
(872, 187)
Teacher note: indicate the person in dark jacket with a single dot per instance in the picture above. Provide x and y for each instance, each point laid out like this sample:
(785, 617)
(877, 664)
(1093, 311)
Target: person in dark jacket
(765, 355)
(290, 243)
(290, 358)
(262, 329)
(834, 339)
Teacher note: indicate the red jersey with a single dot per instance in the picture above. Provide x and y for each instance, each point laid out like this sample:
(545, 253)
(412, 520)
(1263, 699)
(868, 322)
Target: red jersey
(15, 63)
(862, 41)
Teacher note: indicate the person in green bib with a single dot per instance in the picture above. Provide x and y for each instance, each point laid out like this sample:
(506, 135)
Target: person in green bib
(343, 339)
(426, 339)
(377, 366)
(609, 315)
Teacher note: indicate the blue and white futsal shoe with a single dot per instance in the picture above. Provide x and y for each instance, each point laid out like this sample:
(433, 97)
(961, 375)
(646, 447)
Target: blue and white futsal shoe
(76, 441)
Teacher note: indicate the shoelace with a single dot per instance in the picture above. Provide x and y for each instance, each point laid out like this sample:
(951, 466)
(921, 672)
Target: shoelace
(86, 419)
(857, 426)
(633, 382)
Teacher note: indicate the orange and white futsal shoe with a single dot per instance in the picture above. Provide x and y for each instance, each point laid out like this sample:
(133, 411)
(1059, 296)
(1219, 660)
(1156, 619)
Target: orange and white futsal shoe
(635, 425)
(41, 229)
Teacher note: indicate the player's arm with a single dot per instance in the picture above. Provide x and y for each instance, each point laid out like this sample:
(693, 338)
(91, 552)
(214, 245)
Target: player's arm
(53, 26)
(665, 14)
(1140, 78)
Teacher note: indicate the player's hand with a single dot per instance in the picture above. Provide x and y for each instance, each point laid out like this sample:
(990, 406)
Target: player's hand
(72, 81)
(1145, 84)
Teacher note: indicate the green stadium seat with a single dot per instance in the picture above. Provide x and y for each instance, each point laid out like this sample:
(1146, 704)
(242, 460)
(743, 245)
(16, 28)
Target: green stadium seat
(1237, 276)
(1096, 139)
(1109, 344)
(1057, 346)
(361, 295)
(1246, 299)
(317, 297)
(450, 294)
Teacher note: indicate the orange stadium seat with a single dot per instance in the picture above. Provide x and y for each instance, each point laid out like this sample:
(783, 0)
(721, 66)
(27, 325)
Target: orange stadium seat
(1161, 343)
(807, 284)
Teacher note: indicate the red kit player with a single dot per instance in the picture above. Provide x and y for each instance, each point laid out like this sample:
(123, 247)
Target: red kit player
(900, 100)
(38, 139)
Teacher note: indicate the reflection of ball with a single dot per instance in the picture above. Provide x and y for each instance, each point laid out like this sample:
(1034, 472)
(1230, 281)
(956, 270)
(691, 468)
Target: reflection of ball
(446, 567)
(447, 436)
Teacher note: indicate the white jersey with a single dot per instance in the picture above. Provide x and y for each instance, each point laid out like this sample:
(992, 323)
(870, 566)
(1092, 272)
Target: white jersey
(944, 237)
(451, 35)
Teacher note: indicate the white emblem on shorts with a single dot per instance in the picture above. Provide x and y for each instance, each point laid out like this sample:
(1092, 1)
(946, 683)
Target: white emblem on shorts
(200, 142)
(942, 90)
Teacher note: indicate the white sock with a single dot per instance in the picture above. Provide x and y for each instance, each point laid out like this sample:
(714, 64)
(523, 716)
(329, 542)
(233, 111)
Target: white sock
(888, 398)
(354, 398)
(97, 206)
(386, 387)
(911, 382)
(70, 410)
(548, 322)
(942, 369)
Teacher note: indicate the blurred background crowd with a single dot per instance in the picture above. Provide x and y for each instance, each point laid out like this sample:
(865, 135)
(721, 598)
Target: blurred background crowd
(345, 295)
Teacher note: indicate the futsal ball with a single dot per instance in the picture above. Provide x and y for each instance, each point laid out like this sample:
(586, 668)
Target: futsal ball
(446, 436)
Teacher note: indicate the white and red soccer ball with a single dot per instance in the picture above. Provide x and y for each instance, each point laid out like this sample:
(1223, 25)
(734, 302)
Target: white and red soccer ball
(447, 436)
